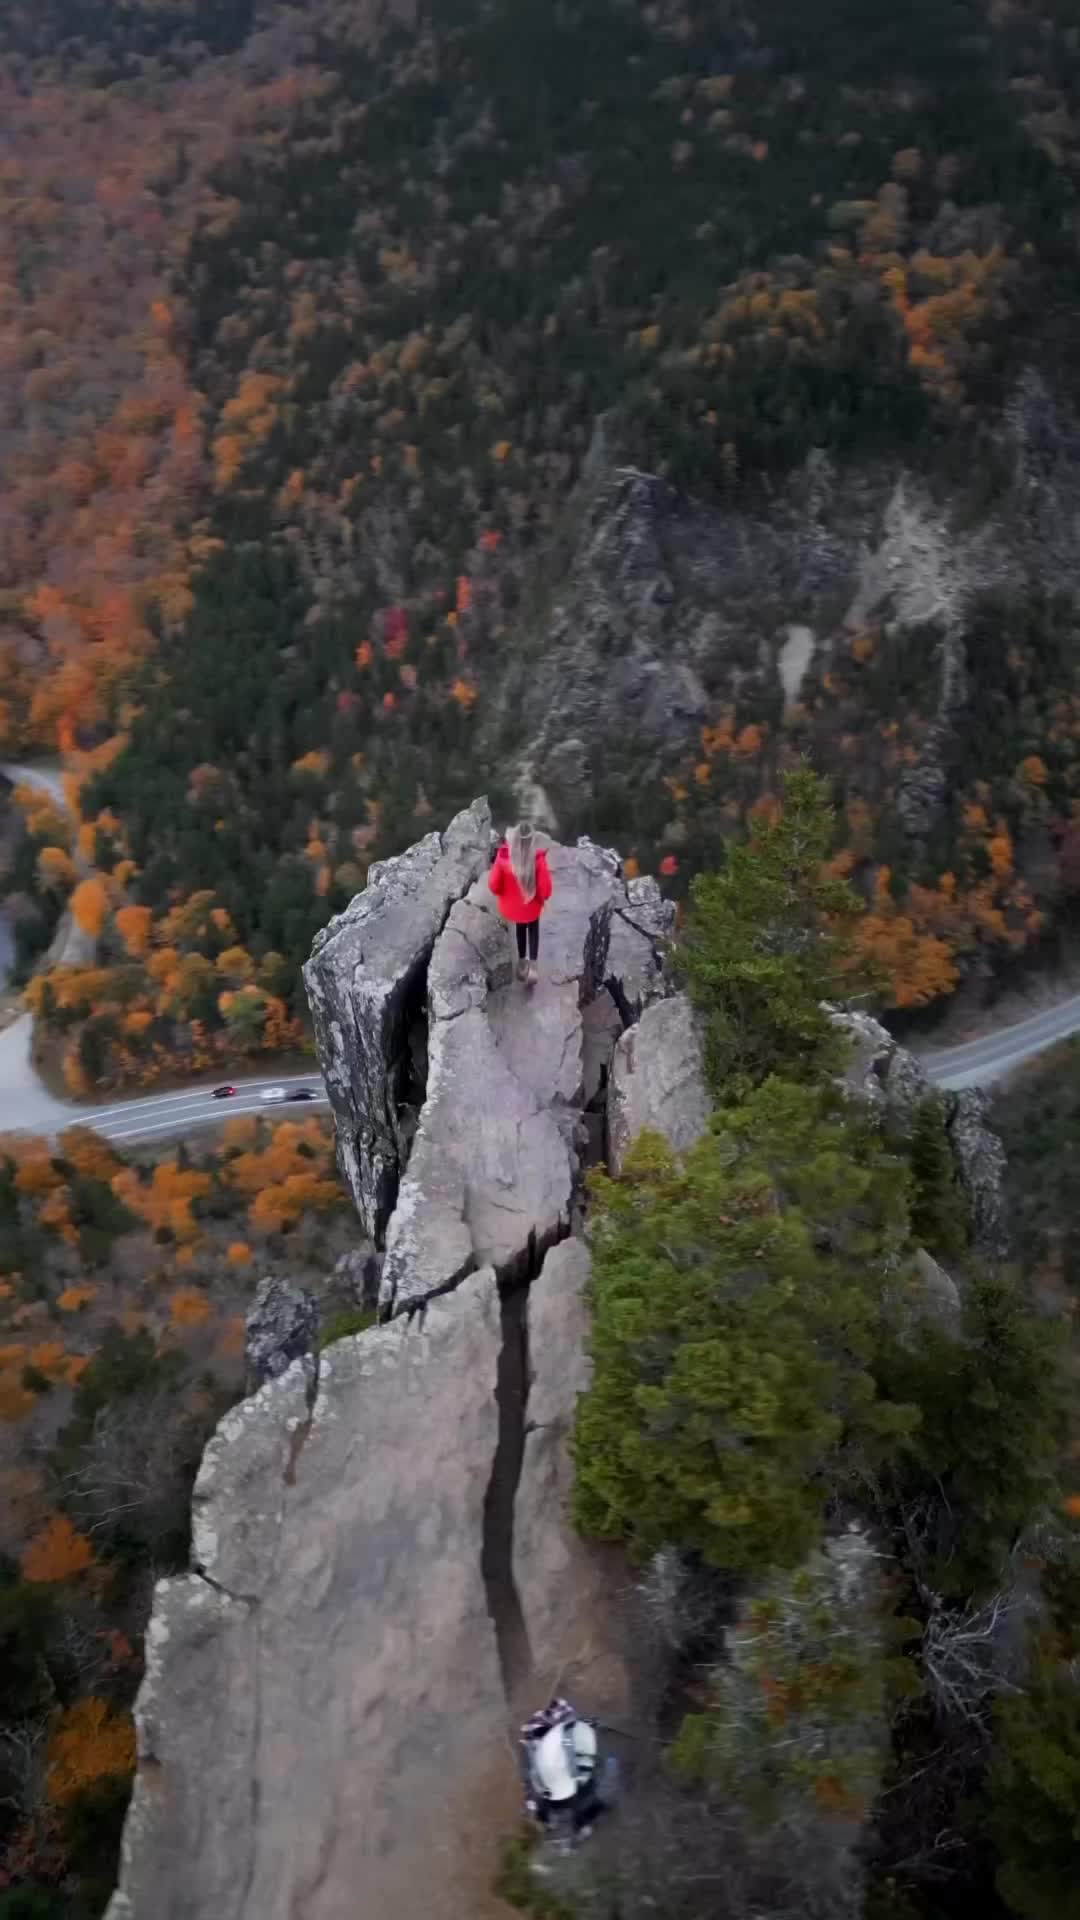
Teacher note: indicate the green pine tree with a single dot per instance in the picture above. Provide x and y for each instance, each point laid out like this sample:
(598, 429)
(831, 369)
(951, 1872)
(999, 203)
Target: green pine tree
(939, 1210)
(735, 1299)
(767, 942)
(1035, 1792)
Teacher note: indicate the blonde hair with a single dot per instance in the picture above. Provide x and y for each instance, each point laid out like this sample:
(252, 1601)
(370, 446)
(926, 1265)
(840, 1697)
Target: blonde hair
(521, 841)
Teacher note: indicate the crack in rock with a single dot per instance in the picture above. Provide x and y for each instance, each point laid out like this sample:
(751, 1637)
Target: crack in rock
(497, 1545)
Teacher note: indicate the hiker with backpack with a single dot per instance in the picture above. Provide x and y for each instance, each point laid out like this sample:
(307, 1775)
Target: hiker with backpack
(521, 882)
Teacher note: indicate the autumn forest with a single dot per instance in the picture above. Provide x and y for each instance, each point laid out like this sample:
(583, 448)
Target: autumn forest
(317, 324)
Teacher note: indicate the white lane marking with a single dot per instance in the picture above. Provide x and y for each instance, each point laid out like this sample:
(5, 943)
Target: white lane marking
(245, 1089)
(206, 1117)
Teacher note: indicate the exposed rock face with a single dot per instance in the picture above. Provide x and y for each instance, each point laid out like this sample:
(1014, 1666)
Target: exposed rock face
(361, 1270)
(497, 1155)
(385, 1578)
(939, 1293)
(887, 1076)
(669, 609)
(561, 1581)
(303, 1720)
(980, 1158)
(658, 1080)
(879, 1071)
(282, 1323)
(637, 947)
(365, 985)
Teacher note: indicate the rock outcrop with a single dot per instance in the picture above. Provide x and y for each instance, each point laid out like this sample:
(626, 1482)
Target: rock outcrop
(282, 1324)
(887, 1076)
(658, 1080)
(980, 1158)
(330, 1674)
(365, 983)
(384, 1574)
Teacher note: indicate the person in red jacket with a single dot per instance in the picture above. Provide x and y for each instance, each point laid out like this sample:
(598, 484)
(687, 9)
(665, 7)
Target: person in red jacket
(521, 883)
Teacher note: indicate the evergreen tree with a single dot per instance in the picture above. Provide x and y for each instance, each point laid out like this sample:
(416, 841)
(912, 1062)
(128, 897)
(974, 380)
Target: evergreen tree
(766, 944)
(735, 1300)
(1035, 1792)
(991, 1429)
(939, 1211)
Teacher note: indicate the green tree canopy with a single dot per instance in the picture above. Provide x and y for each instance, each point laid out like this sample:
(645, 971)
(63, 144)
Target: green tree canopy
(767, 942)
(735, 1299)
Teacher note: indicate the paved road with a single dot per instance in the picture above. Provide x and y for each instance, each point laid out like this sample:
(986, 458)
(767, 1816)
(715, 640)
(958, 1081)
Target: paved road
(32, 1109)
(27, 1106)
(980, 1062)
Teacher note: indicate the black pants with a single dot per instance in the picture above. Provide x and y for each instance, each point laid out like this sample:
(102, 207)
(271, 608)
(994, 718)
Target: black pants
(531, 929)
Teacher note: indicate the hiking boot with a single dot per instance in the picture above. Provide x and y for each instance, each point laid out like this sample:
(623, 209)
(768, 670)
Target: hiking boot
(523, 970)
(531, 976)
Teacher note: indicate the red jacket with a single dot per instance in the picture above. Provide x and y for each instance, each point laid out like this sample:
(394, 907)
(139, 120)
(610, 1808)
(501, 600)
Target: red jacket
(504, 885)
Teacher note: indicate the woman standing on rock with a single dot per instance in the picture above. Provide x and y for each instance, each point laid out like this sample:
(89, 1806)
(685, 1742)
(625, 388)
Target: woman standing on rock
(521, 883)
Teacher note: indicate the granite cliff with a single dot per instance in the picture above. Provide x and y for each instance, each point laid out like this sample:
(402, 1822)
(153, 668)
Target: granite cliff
(383, 1577)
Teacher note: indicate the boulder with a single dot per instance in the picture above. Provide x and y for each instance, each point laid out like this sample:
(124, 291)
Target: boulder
(281, 1326)
(317, 1727)
(365, 985)
(879, 1071)
(658, 1080)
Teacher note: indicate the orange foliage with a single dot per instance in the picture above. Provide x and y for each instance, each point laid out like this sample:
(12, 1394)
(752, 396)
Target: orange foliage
(90, 1744)
(133, 925)
(73, 1299)
(919, 965)
(57, 1552)
(1034, 771)
(90, 905)
(189, 1308)
(300, 1193)
(239, 1254)
(465, 694)
(167, 1201)
(56, 870)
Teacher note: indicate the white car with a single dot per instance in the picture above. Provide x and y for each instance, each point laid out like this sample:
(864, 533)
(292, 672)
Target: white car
(274, 1093)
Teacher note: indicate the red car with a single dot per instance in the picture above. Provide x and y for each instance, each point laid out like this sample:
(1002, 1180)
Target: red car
(223, 1093)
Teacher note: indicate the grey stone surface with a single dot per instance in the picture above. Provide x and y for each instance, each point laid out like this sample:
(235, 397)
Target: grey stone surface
(281, 1326)
(241, 1489)
(980, 1158)
(495, 1161)
(365, 984)
(559, 1578)
(879, 1071)
(301, 1752)
(359, 1270)
(640, 930)
(602, 1029)
(890, 1078)
(658, 1080)
(939, 1295)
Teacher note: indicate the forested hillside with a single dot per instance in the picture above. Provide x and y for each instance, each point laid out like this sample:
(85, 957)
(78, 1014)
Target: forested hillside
(124, 1283)
(310, 322)
(849, 1493)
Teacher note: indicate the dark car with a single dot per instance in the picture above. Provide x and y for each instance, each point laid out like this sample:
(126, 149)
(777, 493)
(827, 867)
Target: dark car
(304, 1093)
(223, 1093)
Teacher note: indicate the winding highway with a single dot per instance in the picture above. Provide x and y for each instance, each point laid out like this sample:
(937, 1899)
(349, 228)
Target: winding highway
(27, 1106)
(980, 1062)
